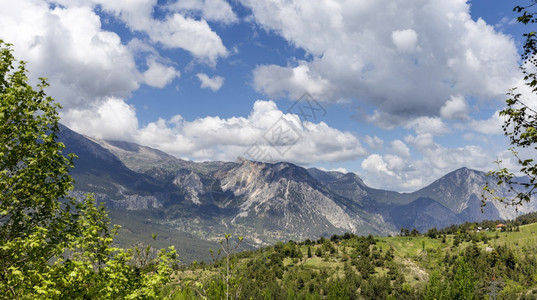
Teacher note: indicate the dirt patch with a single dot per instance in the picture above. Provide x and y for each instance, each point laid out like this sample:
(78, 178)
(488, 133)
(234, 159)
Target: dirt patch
(414, 270)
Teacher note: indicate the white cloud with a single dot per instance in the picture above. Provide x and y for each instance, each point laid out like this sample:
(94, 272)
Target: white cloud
(493, 125)
(212, 138)
(433, 125)
(219, 10)
(455, 108)
(211, 10)
(405, 40)
(173, 30)
(445, 53)
(159, 75)
(195, 36)
(400, 148)
(275, 80)
(403, 173)
(340, 170)
(83, 63)
(373, 142)
(375, 164)
(213, 83)
(113, 119)
(443, 159)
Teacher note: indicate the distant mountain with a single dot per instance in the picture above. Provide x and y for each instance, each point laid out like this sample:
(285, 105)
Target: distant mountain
(461, 191)
(265, 202)
(422, 214)
(455, 189)
(475, 212)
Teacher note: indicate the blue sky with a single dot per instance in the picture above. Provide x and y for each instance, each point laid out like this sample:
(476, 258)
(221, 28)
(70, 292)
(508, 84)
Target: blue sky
(403, 91)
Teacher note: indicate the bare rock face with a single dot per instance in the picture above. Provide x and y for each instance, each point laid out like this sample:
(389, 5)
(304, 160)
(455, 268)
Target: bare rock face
(191, 184)
(285, 196)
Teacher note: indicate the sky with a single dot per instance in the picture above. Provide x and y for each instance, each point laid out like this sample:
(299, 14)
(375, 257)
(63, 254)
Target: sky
(399, 92)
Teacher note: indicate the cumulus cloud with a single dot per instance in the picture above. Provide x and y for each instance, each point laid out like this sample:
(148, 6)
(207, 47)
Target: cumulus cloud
(443, 158)
(400, 148)
(174, 30)
(455, 108)
(112, 119)
(86, 64)
(211, 10)
(400, 171)
(413, 54)
(195, 36)
(405, 40)
(492, 125)
(433, 125)
(375, 164)
(83, 63)
(340, 170)
(374, 142)
(159, 75)
(278, 81)
(266, 134)
(213, 83)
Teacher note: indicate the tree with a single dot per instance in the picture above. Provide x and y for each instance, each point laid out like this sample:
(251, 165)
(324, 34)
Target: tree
(93, 269)
(50, 246)
(463, 286)
(521, 122)
(230, 280)
(34, 226)
(432, 233)
(435, 288)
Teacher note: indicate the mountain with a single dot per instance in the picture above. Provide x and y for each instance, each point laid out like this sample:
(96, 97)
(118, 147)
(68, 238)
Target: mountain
(265, 202)
(103, 173)
(422, 214)
(285, 198)
(462, 191)
(475, 212)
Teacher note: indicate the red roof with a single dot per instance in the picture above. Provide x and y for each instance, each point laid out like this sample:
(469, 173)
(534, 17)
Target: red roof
(500, 225)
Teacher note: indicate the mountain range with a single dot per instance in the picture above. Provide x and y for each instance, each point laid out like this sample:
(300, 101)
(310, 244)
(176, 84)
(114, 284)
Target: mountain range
(264, 202)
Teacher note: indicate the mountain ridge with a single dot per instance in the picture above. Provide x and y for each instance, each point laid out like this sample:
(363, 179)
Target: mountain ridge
(266, 202)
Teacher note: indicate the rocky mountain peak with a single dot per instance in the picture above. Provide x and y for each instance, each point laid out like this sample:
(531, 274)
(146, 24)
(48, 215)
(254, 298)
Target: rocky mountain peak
(265, 201)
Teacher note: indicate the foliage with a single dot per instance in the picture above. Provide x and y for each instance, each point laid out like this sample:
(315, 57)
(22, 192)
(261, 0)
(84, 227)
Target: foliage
(50, 246)
(33, 175)
(95, 270)
(463, 284)
(229, 285)
(436, 289)
(380, 268)
(520, 122)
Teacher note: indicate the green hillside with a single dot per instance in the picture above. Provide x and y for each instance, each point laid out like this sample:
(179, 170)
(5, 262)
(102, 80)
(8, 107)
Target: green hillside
(464, 265)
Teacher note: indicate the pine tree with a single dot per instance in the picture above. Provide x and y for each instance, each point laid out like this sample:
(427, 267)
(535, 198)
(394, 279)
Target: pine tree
(463, 286)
